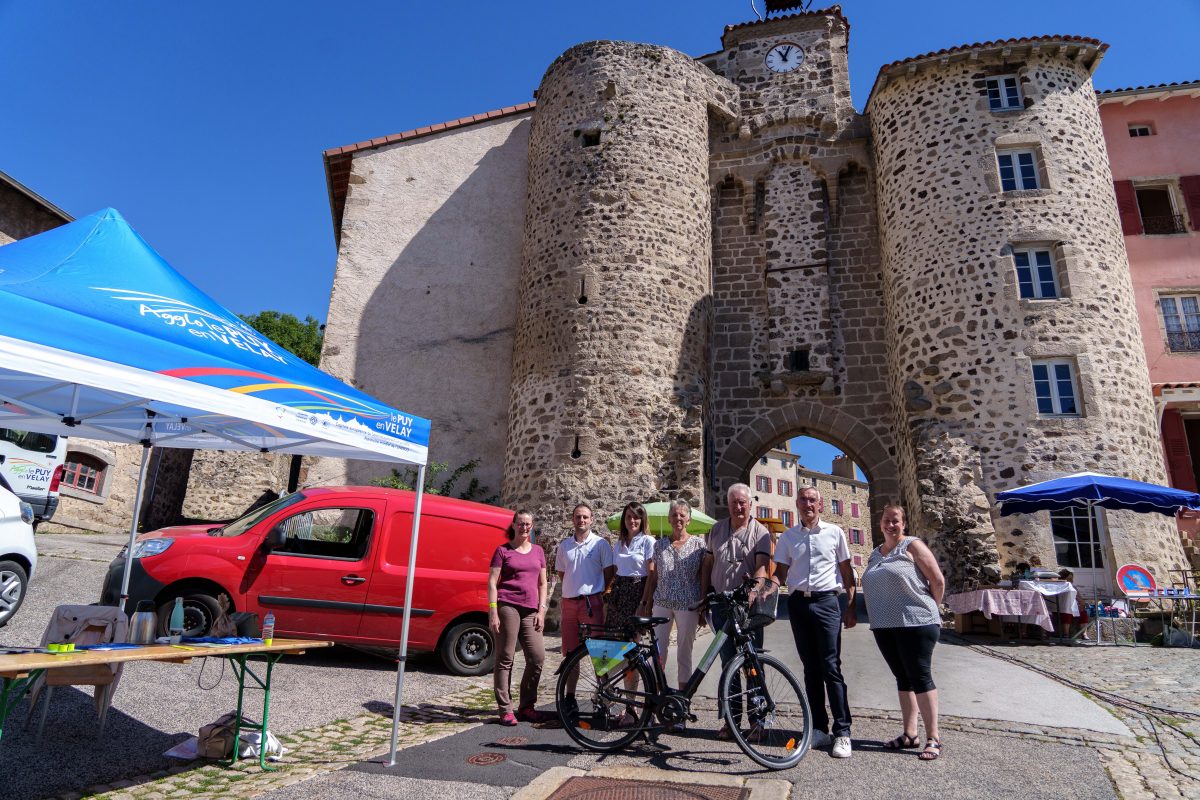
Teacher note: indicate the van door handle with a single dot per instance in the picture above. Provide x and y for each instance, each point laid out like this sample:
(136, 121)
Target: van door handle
(351, 580)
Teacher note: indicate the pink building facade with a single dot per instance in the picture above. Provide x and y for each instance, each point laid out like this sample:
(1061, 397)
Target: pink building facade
(1153, 139)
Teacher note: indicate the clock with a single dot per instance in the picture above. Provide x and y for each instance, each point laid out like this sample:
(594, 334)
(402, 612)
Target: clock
(785, 57)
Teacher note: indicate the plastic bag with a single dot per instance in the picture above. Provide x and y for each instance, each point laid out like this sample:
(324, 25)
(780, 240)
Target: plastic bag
(251, 741)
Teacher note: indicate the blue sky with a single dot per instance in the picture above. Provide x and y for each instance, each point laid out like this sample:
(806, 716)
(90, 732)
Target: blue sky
(203, 123)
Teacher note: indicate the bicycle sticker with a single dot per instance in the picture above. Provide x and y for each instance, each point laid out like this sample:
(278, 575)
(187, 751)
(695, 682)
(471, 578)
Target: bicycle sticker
(607, 654)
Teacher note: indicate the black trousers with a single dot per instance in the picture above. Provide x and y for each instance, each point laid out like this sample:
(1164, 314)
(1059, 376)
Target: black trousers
(909, 654)
(817, 628)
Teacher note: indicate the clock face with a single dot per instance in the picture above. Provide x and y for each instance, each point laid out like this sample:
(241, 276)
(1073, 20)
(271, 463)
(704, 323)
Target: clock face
(785, 57)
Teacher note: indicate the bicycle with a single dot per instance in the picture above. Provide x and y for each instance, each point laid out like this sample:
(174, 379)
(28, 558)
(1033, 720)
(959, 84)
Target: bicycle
(780, 723)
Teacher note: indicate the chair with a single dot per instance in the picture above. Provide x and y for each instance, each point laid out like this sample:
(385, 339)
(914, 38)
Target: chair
(81, 625)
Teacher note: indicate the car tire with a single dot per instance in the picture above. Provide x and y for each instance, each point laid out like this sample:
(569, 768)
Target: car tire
(468, 649)
(199, 611)
(14, 582)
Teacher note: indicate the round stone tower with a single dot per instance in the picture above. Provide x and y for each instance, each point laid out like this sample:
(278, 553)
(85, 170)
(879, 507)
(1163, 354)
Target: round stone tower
(609, 357)
(1013, 337)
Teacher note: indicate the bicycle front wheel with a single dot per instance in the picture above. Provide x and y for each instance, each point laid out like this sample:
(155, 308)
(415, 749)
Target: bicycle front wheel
(596, 714)
(776, 713)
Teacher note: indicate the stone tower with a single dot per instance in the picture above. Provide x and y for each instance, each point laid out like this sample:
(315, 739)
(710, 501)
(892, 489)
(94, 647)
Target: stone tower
(1013, 337)
(610, 366)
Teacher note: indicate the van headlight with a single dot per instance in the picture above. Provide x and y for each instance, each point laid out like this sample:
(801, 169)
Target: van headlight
(151, 547)
(26, 513)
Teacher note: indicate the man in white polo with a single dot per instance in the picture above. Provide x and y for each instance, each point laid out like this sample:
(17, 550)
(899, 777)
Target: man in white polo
(814, 559)
(584, 563)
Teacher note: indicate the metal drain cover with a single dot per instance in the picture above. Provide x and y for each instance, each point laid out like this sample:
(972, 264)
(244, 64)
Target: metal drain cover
(587, 788)
(486, 759)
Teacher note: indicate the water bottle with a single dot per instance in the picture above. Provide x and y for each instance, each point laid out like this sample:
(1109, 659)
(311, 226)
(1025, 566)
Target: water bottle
(268, 630)
(175, 626)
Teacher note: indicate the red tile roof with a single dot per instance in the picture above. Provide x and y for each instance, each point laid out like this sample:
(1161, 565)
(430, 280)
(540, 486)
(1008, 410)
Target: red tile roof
(1158, 87)
(338, 159)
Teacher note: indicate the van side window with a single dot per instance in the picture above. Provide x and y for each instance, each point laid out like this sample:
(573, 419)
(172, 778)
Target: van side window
(27, 440)
(341, 533)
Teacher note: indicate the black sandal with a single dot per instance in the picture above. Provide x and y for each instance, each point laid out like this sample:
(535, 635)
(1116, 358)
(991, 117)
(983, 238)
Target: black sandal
(902, 742)
(933, 749)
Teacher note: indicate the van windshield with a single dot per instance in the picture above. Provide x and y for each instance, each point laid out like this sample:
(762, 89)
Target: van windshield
(240, 526)
(33, 442)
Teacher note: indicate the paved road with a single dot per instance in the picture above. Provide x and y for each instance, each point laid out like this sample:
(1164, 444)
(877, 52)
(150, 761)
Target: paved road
(159, 705)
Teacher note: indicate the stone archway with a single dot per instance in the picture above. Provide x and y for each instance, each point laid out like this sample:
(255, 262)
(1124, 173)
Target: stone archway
(802, 418)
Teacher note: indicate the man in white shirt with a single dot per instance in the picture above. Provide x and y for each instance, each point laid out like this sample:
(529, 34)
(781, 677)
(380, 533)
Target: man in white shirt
(584, 563)
(814, 559)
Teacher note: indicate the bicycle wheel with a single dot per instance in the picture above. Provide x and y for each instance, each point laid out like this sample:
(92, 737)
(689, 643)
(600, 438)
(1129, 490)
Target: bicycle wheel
(775, 709)
(592, 714)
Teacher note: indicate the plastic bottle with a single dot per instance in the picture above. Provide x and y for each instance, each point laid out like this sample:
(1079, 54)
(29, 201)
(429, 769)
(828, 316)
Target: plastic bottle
(268, 629)
(175, 626)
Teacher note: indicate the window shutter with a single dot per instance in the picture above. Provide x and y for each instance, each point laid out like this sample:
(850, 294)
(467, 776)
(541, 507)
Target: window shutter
(1179, 457)
(1127, 207)
(1190, 185)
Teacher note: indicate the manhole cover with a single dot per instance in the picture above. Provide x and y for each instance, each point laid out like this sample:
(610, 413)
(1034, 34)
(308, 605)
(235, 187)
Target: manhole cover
(486, 759)
(585, 788)
(513, 741)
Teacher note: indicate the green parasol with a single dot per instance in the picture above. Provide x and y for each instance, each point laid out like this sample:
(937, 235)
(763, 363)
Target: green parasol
(659, 526)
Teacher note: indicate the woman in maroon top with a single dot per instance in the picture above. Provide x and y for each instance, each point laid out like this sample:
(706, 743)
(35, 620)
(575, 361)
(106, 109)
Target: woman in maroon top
(517, 602)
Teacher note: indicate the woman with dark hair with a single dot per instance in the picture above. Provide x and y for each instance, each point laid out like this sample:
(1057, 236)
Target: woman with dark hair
(633, 557)
(517, 601)
(903, 587)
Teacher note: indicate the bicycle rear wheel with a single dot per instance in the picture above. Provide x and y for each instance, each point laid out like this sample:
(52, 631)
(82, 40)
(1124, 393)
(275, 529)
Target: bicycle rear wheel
(775, 708)
(592, 714)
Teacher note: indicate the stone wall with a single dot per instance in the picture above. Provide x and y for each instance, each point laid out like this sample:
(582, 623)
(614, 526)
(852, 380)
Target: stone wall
(609, 376)
(960, 337)
(424, 296)
(796, 262)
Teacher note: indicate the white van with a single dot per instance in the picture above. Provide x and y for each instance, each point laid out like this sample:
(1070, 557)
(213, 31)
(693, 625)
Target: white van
(18, 553)
(32, 463)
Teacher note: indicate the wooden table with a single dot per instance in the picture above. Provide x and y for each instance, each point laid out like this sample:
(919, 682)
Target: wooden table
(19, 670)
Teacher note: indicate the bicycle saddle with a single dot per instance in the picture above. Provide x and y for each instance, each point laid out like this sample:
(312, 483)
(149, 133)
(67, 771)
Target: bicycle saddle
(646, 621)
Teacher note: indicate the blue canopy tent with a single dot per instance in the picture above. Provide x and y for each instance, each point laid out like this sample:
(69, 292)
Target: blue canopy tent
(100, 338)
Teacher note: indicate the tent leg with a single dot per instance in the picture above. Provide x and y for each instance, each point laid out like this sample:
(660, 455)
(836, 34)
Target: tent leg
(133, 526)
(408, 589)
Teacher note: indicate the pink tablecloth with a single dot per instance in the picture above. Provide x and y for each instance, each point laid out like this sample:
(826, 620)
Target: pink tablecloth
(1005, 602)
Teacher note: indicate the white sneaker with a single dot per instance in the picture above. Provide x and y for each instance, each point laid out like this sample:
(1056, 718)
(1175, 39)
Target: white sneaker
(841, 747)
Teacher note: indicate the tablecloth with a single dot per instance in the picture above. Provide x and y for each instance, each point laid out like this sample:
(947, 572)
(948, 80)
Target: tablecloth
(1064, 591)
(1005, 602)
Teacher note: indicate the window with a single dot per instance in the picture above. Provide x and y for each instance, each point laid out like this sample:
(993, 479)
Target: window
(1037, 275)
(83, 472)
(765, 513)
(762, 483)
(1181, 319)
(855, 536)
(833, 486)
(1018, 170)
(33, 442)
(1140, 130)
(835, 506)
(784, 487)
(1054, 385)
(763, 461)
(1003, 93)
(341, 533)
(854, 510)
(786, 518)
(858, 561)
(1157, 208)
(1076, 538)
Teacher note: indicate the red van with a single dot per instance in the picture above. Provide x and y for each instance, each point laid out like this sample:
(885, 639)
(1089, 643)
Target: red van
(330, 562)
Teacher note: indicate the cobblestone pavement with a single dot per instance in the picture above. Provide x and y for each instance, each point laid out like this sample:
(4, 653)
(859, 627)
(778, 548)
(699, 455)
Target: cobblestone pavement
(1154, 691)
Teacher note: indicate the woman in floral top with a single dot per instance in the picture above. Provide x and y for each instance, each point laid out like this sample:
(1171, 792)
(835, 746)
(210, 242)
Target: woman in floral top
(673, 588)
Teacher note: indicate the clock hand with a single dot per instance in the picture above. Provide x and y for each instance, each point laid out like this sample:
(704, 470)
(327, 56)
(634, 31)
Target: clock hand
(785, 51)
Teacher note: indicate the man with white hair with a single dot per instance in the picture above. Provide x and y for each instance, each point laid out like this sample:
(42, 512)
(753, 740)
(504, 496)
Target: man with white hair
(814, 559)
(738, 547)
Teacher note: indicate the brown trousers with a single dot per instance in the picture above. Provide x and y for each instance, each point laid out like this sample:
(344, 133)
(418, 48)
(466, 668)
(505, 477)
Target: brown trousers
(516, 624)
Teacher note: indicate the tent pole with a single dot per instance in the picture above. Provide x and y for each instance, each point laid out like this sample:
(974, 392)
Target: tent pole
(133, 526)
(408, 589)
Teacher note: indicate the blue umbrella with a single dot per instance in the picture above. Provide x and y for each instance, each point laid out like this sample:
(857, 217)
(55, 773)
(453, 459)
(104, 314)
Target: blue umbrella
(1089, 489)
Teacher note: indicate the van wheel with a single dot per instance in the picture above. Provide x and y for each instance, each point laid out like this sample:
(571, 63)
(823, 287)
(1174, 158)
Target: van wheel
(13, 582)
(199, 611)
(468, 649)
